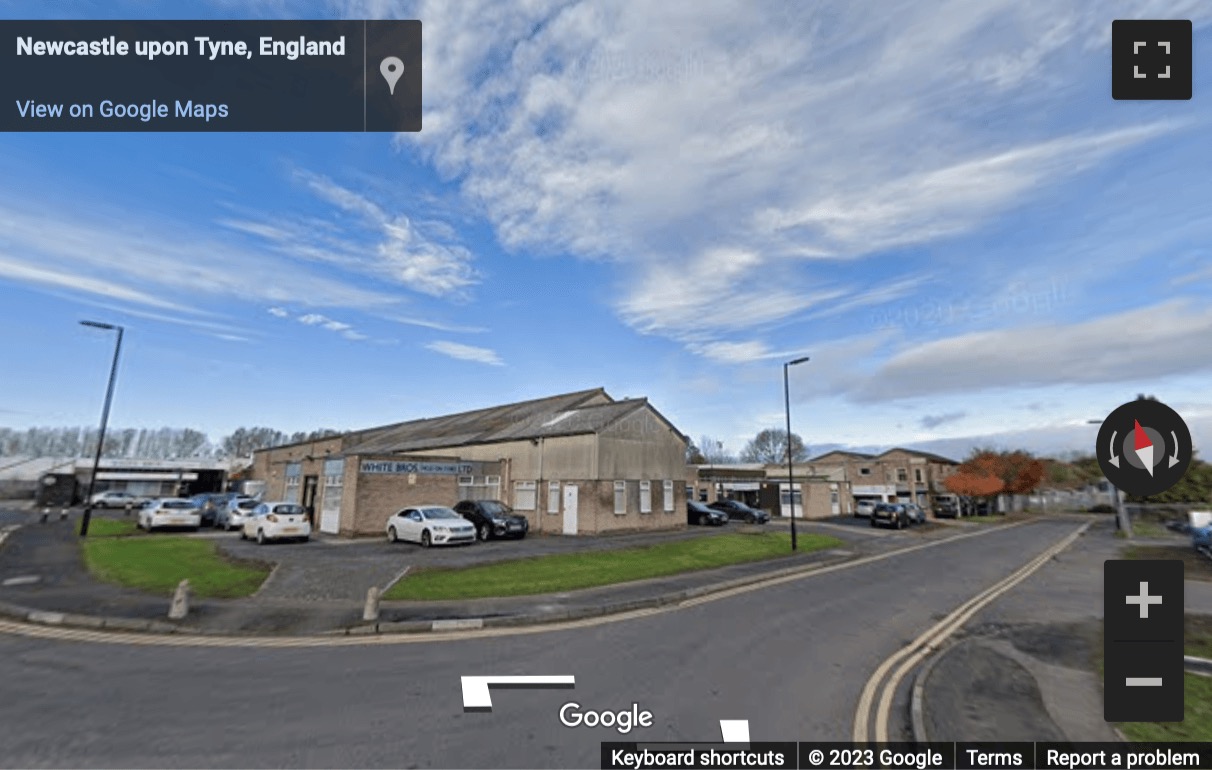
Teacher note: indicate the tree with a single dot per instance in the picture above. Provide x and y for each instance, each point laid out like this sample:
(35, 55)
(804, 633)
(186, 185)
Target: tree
(713, 451)
(987, 473)
(693, 455)
(770, 446)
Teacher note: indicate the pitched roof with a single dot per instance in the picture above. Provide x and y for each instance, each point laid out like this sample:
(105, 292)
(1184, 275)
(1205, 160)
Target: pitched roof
(920, 453)
(859, 455)
(564, 415)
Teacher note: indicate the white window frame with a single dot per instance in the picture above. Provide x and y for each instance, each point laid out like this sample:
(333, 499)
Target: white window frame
(645, 496)
(620, 498)
(523, 490)
(667, 496)
(553, 497)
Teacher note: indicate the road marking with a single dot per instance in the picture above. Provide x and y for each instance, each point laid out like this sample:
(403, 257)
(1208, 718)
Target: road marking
(929, 641)
(476, 696)
(21, 580)
(186, 639)
(735, 730)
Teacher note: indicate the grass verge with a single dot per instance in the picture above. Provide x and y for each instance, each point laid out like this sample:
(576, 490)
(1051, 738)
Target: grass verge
(1195, 567)
(1197, 715)
(109, 528)
(157, 564)
(569, 572)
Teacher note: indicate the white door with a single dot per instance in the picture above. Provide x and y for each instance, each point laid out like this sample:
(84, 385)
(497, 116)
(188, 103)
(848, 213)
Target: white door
(570, 509)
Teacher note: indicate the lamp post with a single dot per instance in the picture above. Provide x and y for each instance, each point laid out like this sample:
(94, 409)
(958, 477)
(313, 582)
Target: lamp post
(109, 397)
(790, 459)
(1122, 522)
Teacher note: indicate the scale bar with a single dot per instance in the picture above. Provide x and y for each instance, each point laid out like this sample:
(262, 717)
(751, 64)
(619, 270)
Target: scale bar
(1144, 681)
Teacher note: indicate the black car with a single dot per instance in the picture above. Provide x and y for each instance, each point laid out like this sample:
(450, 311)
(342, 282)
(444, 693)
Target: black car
(697, 513)
(945, 509)
(892, 515)
(493, 518)
(737, 510)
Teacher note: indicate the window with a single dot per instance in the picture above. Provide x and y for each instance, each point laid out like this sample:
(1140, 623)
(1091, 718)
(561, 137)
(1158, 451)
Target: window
(645, 497)
(864, 471)
(553, 497)
(917, 475)
(620, 497)
(524, 495)
(667, 497)
(901, 475)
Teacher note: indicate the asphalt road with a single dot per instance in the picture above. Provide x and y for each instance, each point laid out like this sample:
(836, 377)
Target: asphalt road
(792, 659)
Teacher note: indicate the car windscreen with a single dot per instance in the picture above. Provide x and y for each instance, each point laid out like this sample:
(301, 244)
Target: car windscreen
(177, 504)
(440, 513)
(289, 510)
(247, 505)
(494, 508)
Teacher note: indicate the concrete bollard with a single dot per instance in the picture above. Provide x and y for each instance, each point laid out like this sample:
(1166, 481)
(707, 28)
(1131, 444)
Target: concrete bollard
(180, 605)
(371, 611)
(45, 514)
(63, 514)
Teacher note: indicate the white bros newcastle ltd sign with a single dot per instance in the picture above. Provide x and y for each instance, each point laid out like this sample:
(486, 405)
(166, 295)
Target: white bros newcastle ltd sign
(424, 469)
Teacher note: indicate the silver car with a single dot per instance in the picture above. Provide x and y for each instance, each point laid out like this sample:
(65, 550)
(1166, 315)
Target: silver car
(235, 513)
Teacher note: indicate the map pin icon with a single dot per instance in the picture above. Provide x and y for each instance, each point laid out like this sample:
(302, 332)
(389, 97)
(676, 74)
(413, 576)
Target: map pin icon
(392, 68)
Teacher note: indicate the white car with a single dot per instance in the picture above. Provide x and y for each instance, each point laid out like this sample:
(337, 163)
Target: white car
(430, 525)
(114, 499)
(169, 512)
(232, 515)
(276, 521)
(864, 508)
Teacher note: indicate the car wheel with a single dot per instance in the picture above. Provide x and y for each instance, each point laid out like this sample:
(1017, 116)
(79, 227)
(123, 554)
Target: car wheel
(243, 535)
(702, 519)
(483, 532)
(900, 523)
(261, 537)
(426, 541)
(873, 522)
(392, 537)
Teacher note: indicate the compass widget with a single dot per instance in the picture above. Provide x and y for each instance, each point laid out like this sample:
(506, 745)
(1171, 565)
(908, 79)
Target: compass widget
(1144, 447)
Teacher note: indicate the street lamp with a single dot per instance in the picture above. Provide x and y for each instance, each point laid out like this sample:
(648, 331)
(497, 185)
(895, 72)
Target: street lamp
(1122, 522)
(790, 471)
(109, 397)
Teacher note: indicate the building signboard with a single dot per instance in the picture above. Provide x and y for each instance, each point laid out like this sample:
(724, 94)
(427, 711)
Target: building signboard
(419, 468)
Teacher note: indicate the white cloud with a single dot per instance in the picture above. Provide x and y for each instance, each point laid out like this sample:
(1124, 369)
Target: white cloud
(466, 352)
(278, 312)
(312, 319)
(1140, 345)
(437, 325)
(803, 132)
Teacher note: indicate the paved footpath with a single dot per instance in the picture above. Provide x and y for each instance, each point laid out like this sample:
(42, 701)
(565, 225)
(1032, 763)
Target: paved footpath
(1024, 668)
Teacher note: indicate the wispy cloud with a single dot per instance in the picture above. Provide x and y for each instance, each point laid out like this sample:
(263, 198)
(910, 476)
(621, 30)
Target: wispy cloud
(931, 421)
(466, 352)
(346, 330)
(423, 257)
(437, 325)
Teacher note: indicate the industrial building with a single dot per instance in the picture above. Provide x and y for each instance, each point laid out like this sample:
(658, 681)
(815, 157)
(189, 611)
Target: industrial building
(575, 464)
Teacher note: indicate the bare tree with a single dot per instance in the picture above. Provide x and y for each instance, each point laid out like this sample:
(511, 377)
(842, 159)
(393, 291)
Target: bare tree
(770, 446)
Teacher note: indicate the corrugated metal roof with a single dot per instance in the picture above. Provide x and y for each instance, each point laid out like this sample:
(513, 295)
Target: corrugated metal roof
(564, 415)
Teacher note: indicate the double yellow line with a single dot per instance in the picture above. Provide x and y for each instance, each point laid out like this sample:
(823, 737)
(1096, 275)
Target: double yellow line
(912, 654)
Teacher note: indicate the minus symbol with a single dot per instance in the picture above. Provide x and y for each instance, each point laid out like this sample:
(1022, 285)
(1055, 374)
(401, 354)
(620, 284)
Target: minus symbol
(1143, 681)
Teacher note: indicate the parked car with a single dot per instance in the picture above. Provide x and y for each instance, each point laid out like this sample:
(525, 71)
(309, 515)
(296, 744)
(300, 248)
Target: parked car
(1201, 539)
(115, 499)
(168, 512)
(493, 518)
(863, 508)
(430, 525)
(915, 513)
(697, 513)
(232, 515)
(945, 509)
(208, 506)
(890, 515)
(738, 511)
(278, 520)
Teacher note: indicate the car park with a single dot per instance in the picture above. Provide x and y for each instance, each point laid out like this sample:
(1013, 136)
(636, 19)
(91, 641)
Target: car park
(168, 512)
(863, 508)
(915, 513)
(890, 515)
(738, 511)
(116, 499)
(704, 516)
(493, 518)
(430, 525)
(232, 515)
(280, 520)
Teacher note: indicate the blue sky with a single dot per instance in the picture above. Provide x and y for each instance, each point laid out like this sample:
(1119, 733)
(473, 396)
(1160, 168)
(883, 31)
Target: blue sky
(938, 202)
